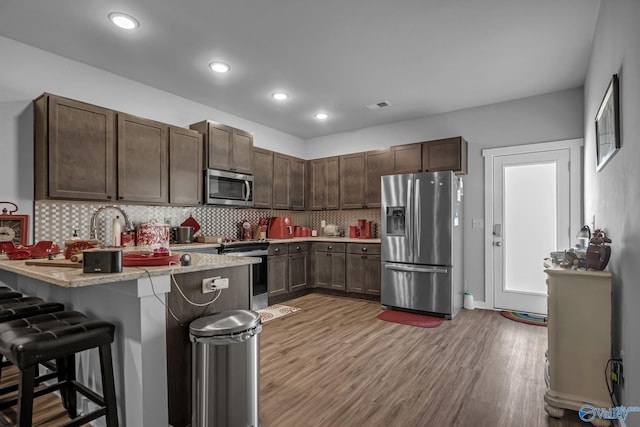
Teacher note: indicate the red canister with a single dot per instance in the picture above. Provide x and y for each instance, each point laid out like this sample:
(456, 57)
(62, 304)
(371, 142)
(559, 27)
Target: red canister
(153, 234)
(353, 231)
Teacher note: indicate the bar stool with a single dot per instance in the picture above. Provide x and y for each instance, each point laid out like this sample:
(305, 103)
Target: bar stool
(29, 341)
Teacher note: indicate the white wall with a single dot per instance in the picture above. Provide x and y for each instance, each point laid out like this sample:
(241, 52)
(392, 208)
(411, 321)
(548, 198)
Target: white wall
(550, 117)
(612, 194)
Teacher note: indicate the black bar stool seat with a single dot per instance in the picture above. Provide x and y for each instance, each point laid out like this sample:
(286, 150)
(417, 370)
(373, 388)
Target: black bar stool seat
(17, 308)
(7, 292)
(29, 341)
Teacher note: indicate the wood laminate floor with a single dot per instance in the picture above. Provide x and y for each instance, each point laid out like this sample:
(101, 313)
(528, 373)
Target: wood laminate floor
(335, 364)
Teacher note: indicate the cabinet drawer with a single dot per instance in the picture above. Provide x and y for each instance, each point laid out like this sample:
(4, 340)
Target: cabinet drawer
(298, 247)
(278, 249)
(363, 248)
(329, 247)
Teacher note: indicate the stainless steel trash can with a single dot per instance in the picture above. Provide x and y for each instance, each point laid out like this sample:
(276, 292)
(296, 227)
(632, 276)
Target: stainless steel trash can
(226, 369)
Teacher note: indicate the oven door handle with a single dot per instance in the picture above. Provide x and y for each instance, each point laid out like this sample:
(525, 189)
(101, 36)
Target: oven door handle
(248, 253)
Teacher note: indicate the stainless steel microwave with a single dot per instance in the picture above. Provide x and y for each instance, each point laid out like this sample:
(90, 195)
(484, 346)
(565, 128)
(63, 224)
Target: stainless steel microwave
(228, 188)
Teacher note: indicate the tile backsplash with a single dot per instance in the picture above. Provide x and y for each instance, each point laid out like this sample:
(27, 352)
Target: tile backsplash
(56, 220)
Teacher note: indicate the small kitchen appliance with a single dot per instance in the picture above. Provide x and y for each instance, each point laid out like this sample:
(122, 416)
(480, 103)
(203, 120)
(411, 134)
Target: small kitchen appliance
(280, 227)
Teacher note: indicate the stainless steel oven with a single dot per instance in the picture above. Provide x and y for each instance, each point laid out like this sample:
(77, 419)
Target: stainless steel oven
(259, 293)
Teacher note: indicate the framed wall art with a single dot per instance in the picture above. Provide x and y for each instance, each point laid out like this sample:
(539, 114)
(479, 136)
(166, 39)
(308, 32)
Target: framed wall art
(608, 125)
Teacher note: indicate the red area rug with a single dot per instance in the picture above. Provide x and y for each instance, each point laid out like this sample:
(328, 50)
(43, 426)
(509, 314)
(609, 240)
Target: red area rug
(411, 319)
(529, 319)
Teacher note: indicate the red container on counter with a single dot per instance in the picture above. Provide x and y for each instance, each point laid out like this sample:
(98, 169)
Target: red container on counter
(153, 234)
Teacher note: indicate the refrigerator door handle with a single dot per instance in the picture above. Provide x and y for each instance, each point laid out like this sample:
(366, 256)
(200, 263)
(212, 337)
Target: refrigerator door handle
(409, 222)
(414, 269)
(418, 217)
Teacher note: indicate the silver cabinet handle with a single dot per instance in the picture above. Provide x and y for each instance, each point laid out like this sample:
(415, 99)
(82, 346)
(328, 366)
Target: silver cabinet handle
(330, 247)
(364, 249)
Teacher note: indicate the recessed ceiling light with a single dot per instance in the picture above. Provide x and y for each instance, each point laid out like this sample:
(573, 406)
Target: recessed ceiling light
(322, 116)
(280, 96)
(124, 21)
(219, 67)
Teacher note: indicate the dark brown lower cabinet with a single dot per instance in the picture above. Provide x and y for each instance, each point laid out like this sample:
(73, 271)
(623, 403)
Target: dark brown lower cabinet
(363, 274)
(363, 268)
(329, 266)
(278, 270)
(298, 266)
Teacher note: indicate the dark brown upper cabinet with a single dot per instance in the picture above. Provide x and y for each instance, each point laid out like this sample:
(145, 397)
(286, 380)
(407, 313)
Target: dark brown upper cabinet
(406, 158)
(323, 183)
(431, 156)
(288, 182)
(360, 178)
(75, 150)
(445, 154)
(226, 148)
(298, 184)
(185, 166)
(262, 178)
(281, 181)
(352, 178)
(143, 171)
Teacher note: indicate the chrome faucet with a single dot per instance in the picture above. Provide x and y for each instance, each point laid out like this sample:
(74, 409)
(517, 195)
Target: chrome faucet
(128, 225)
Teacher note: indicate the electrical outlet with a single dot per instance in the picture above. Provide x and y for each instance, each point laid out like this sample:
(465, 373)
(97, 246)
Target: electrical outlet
(616, 372)
(207, 285)
(213, 283)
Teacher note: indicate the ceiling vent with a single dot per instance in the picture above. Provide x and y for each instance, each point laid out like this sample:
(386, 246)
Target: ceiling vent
(378, 105)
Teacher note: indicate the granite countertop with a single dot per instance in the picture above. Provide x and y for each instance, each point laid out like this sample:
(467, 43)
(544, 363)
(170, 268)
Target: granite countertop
(69, 277)
(178, 247)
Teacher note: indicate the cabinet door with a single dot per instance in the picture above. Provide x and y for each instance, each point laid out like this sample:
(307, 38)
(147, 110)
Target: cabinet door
(376, 164)
(333, 183)
(317, 184)
(406, 158)
(142, 160)
(338, 271)
(82, 150)
(297, 184)
(298, 270)
(241, 151)
(355, 273)
(262, 178)
(371, 265)
(185, 166)
(277, 274)
(352, 177)
(281, 178)
(323, 270)
(219, 146)
(445, 154)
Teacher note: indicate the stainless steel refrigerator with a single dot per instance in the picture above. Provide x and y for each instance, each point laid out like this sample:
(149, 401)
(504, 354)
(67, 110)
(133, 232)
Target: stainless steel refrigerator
(422, 246)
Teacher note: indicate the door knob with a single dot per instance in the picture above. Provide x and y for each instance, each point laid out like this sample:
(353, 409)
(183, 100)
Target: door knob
(497, 243)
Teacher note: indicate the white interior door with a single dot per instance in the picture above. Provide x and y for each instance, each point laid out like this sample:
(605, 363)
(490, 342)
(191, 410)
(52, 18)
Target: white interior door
(532, 214)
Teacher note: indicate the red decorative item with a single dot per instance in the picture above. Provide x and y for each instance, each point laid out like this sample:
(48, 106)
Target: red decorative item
(598, 252)
(191, 222)
(153, 234)
(76, 248)
(149, 260)
(14, 228)
(41, 249)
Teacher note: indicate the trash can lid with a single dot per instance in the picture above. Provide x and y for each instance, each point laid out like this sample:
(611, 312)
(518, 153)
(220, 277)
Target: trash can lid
(224, 323)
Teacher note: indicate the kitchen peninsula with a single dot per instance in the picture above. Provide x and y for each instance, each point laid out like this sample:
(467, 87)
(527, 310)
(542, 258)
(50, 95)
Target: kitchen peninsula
(136, 301)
